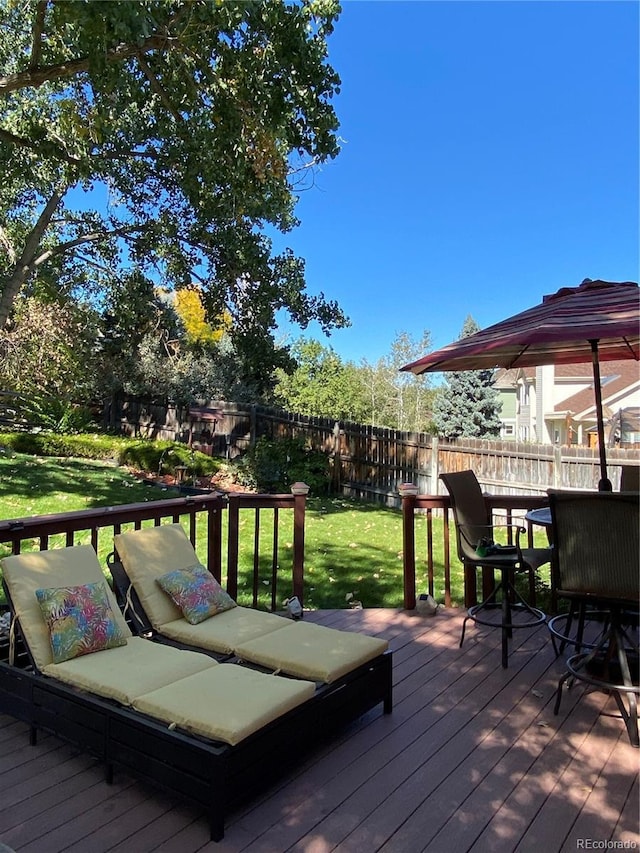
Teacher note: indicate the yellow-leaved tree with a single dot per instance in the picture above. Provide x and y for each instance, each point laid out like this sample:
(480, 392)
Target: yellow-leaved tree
(191, 311)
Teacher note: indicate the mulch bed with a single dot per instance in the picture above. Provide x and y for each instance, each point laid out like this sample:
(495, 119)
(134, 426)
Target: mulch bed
(220, 482)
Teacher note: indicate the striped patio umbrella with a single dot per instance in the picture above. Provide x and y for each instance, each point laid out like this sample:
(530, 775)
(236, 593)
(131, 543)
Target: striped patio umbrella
(596, 321)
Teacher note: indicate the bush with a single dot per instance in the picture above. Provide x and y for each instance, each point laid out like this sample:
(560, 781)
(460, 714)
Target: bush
(163, 457)
(87, 446)
(274, 465)
(56, 414)
(142, 454)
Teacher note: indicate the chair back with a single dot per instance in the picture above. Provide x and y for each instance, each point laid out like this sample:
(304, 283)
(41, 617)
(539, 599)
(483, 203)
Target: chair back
(470, 512)
(596, 544)
(630, 478)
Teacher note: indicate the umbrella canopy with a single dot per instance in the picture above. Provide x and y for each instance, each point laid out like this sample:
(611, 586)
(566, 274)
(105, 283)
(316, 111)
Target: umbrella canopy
(596, 321)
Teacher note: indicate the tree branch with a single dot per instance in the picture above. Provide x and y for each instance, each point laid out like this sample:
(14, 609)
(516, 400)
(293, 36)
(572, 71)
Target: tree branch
(36, 77)
(13, 284)
(38, 28)
(91, 237)
(157, 88)
(8, 246)
(21, 142)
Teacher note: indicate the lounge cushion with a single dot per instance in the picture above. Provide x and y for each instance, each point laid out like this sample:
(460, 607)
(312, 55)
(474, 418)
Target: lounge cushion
(129, 671)
(227, 704)
(305, 650)
(80, 620)
(146, 555)
(196, 592)
(58, 567)
(227, 630)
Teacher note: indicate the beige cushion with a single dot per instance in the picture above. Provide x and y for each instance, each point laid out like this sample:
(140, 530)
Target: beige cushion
(223, 632)
(24, 573)
(312, 651)
(146, 555)
(126, 672)
(227, 704)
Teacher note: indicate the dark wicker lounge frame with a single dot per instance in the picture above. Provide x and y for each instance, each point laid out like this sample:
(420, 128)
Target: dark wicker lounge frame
(213, 774)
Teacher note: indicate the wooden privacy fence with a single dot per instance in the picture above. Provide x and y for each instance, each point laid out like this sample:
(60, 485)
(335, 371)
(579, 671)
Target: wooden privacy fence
(372, 462)
(203, 519)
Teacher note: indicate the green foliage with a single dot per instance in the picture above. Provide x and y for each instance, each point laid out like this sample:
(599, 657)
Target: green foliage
(191, 127)
(468, 405)
(163, 457)
(87, 446)
(272, 466)
(56, 415)
(401, 400)
(322, 385)
(141, 454)
(49, 350)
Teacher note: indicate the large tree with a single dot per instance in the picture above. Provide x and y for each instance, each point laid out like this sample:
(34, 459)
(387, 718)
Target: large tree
(468, 405)
(162, 137)
(321, 385)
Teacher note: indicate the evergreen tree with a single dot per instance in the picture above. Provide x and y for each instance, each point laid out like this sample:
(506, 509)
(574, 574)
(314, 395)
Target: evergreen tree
(468, 405)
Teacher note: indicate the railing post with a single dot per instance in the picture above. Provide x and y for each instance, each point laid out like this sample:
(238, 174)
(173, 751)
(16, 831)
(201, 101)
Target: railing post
(233, 546)
(408, 493)
(299, 492)
(435, 466)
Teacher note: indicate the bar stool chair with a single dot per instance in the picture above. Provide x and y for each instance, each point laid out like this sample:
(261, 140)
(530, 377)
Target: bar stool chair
(595, 561)
(476, 549)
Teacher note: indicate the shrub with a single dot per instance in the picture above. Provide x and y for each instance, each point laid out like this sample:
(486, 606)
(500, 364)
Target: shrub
(163, 457)
(273, 465)
(142, 454)
(56, 414)
(86, 446)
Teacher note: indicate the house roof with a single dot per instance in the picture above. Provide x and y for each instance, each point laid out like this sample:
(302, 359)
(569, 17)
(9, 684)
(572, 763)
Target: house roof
(615, 376)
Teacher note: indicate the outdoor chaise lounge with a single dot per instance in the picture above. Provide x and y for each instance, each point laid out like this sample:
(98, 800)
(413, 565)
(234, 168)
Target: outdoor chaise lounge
(278, 644)
(213, 732)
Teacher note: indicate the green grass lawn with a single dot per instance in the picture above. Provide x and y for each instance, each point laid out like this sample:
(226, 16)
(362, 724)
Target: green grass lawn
(39, 485)
(353, 550)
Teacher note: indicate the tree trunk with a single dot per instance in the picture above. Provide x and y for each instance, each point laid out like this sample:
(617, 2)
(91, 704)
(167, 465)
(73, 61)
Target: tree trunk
(14, 282)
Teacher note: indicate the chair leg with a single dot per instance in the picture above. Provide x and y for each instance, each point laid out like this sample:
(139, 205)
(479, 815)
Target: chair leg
(629, 715)
(614, 643)
(570, 616)
(472, 610)
(506, 627)
(561, 683)
(511, 599)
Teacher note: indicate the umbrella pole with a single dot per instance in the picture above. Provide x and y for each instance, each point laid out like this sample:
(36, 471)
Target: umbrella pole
(605, 483)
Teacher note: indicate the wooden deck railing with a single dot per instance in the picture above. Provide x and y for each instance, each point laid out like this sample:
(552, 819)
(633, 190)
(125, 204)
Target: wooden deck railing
(205, 530)
(414, 504)
(204, 514)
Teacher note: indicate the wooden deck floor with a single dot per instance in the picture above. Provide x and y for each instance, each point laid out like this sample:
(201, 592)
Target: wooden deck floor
(471, 759)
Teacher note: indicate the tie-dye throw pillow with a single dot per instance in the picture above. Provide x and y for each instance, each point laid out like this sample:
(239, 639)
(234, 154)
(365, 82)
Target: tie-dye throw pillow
(196, 592)
(80, 620)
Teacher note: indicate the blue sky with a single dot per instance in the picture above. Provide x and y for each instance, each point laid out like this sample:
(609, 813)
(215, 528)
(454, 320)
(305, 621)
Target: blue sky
(490, 156)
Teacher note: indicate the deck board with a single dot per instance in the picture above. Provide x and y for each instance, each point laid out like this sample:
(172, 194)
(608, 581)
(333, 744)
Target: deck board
(471, 759)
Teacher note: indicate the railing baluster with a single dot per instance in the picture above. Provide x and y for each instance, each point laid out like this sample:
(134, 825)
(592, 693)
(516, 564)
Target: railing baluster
(274, 559)
(233, 546)
(430, 551)
(256, 554)
(214, 543)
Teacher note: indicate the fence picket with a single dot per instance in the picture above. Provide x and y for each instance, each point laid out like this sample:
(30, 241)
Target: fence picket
(371, 462)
